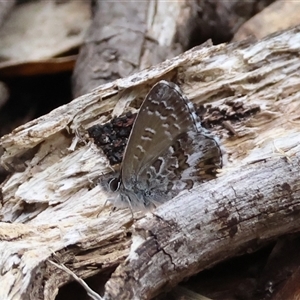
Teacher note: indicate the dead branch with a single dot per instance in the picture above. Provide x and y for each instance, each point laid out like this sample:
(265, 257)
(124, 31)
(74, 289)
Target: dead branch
(50, 204)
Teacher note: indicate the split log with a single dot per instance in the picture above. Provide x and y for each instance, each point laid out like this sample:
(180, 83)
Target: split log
(50, 206)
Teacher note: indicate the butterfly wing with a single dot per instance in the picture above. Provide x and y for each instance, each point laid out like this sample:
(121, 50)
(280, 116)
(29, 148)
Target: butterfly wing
(164, 114)
(193, 158)
(167, 150)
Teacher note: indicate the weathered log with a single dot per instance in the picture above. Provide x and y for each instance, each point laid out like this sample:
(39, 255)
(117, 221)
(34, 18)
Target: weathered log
(51, 206)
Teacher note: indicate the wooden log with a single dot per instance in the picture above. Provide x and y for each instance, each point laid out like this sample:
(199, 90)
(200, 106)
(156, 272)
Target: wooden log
(50, 206)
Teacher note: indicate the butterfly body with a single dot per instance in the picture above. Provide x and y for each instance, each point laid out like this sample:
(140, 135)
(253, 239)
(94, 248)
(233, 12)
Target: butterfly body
(168, 151)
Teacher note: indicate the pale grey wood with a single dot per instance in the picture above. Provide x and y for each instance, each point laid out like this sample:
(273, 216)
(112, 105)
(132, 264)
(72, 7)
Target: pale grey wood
(126, 38)
(237, 213)
(5, 9)
(50, 206)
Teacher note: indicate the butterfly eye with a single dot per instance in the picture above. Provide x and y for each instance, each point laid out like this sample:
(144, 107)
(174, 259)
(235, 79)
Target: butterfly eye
(114, 184)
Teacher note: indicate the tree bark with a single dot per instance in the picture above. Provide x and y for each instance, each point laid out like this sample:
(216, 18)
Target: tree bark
(50, 206)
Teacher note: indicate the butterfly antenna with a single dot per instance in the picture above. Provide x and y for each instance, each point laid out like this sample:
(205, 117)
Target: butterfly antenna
(102, 208)
(130, 207)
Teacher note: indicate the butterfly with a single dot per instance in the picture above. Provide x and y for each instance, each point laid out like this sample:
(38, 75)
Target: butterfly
(167, 151)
